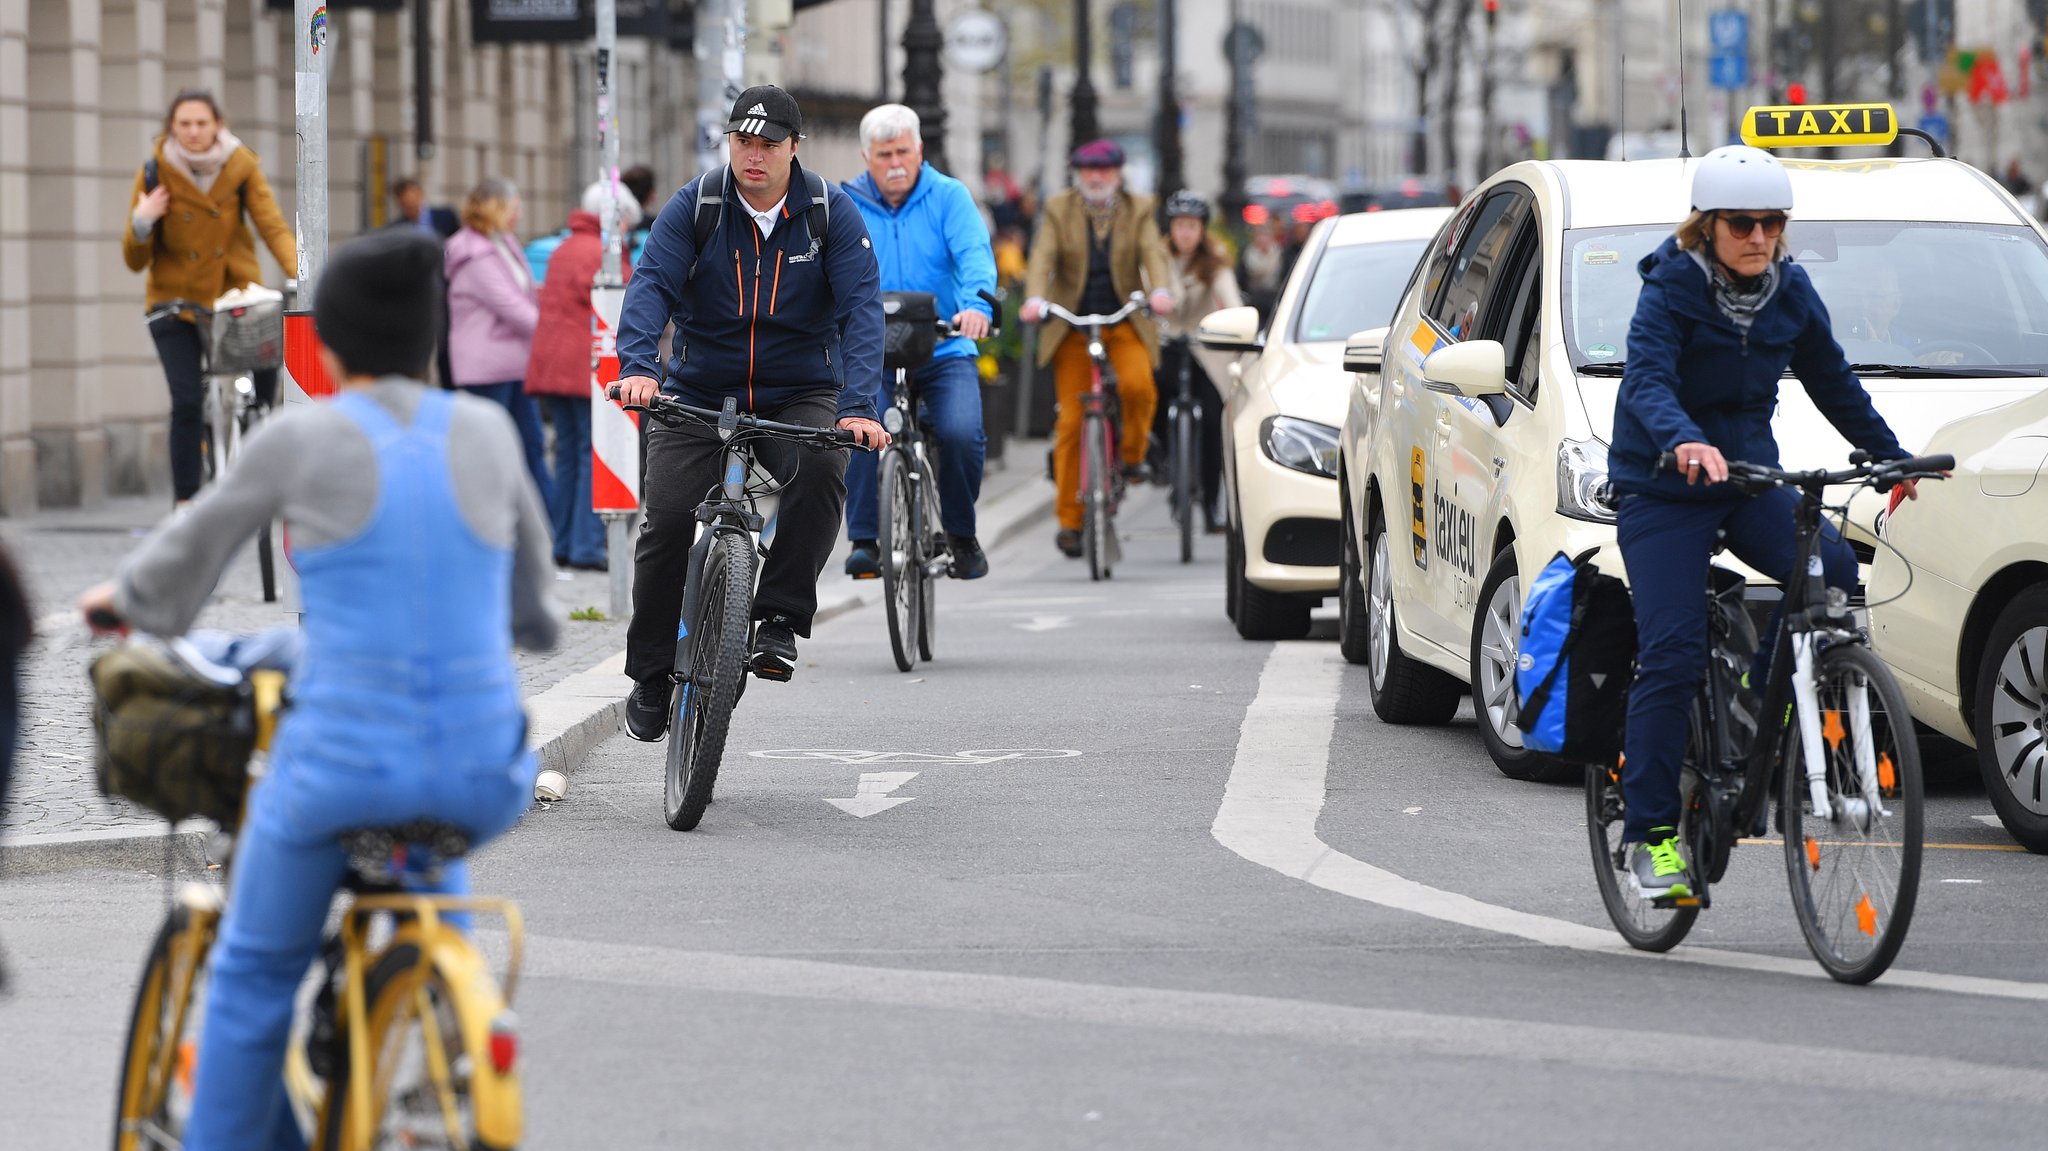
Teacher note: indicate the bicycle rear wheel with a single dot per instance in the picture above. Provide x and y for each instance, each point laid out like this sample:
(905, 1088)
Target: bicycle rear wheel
(701, 709)
(155, 1095)
(901, 542)
(1185, 480)
(928, 580)
(1855, 874)
(1646, 926)
(1095, 497)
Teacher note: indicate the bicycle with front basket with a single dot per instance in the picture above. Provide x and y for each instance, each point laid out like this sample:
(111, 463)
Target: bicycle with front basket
(914, 548)
(1831, 725)
(1102, 477)
(718, 596)
(410, 1042)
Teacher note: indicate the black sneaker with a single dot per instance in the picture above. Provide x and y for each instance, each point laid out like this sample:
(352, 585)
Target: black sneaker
(774, 649)
(1069, 542)
(864, 561)
(969, 561)
(647, 709)
(1138, 474)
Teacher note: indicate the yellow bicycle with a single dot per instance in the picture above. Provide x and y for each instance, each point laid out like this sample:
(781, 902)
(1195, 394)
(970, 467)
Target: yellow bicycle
(411, 1041)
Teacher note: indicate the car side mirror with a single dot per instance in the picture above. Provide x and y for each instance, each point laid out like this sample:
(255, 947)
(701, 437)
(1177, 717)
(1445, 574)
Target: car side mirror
(1474, 368)
(1362, 351)
(1230, 330)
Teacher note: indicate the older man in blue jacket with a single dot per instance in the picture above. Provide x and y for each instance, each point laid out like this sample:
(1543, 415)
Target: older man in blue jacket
(775, 299)
(929, 237)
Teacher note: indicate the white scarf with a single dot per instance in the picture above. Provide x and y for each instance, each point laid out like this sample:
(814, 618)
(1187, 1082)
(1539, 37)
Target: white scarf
(202, 168)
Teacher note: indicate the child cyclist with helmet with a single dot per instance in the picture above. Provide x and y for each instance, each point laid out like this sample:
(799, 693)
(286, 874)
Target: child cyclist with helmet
(1723, 313)
(422, 554)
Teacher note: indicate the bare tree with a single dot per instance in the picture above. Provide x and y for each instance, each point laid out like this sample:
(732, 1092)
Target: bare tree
(1416, 21)
(1458, 35)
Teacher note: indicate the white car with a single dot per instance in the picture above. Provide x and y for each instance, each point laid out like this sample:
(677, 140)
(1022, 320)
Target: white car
(1959, 604)
(1475, 444)
(1282, 406)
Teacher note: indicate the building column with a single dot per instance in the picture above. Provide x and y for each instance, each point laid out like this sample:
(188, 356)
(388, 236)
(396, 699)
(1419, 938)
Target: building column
(17, 449)
(148, 48)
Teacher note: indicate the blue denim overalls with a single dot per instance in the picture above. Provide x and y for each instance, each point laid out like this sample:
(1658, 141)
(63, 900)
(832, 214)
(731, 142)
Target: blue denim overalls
(406, 707)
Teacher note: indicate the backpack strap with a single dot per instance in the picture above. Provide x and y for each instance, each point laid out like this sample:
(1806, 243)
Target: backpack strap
(151, 176)
(710, 214)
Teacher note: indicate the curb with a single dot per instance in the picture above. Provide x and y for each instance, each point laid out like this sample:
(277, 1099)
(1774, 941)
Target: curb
(563, 724)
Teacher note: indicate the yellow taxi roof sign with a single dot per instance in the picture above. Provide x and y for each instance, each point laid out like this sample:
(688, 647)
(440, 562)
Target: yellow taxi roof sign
(1819, 125)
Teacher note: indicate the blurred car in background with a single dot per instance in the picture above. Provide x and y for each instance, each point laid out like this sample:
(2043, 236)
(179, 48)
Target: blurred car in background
(1295, 199)
(1408, 192)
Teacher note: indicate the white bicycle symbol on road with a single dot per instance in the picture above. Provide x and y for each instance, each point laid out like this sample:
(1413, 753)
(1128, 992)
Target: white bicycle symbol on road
(870, 758)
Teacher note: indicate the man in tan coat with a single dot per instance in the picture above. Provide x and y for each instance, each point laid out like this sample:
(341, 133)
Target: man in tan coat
(1096, 244)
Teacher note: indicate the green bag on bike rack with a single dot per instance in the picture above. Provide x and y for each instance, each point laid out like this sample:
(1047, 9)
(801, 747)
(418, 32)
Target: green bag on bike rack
(168, 738)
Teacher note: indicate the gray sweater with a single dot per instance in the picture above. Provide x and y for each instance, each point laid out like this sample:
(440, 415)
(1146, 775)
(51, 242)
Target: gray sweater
(314, 467)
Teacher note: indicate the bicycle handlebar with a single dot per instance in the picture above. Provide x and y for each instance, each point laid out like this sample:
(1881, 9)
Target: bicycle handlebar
(1136, 301)
(674, 412)
(178, 307)
(947, 331)
(1880, 474)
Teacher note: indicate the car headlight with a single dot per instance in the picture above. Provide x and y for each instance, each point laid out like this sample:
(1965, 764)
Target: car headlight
(1302, 445)
(1583, 492)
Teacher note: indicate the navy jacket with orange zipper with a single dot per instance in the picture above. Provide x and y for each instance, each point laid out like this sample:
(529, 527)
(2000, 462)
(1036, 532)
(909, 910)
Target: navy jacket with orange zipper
(767, 318)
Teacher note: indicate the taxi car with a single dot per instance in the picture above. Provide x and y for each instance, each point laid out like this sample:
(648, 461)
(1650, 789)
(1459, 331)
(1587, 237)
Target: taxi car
(1282, 403)
(1959, 604)
(1475, 440)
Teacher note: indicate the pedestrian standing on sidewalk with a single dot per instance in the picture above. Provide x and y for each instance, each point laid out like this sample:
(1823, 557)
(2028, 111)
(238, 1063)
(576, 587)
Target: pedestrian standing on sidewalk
(188, 228)
(492, 312)
(559, 372)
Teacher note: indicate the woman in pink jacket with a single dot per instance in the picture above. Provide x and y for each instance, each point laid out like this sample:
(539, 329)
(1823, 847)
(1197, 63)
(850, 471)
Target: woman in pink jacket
(492, 312)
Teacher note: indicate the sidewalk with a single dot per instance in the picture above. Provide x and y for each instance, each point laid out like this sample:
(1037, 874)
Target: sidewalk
(55, 816)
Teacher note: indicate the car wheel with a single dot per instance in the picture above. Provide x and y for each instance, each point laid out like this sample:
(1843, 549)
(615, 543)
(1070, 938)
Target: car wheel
(1403, 690)
(1265, 615)
(1354, 639)
(1496, 638)
(1233, 571)
(2011, 713)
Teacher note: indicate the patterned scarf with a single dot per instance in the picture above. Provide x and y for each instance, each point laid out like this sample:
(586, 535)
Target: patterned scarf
(1738, 300)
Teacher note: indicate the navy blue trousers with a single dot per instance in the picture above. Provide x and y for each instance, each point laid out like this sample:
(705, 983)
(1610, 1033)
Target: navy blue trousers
(1667, 545)
(949, 394)
(579, 532)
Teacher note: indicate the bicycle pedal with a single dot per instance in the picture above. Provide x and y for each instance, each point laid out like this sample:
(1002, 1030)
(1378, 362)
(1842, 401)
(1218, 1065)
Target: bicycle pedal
(868, 575)
(769, 668)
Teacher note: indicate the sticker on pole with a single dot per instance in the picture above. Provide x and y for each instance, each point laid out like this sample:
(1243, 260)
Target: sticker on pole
(614, 431)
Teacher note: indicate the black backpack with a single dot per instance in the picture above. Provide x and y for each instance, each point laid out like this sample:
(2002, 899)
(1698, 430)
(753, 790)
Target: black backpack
(711, 212)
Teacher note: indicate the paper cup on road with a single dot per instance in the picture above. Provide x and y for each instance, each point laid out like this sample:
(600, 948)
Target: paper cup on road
(550, 786)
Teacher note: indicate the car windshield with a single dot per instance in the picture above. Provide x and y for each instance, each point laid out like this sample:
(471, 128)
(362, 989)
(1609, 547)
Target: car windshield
(1908, 295)
(1355, 287)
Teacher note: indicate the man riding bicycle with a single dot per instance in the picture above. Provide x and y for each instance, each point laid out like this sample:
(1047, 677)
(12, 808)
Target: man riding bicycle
(1723, 313)
(423, 555)
(928, 238)
(775, 296)
(1096, 245)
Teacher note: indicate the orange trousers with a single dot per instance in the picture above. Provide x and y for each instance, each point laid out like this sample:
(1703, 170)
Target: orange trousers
(1072, 373)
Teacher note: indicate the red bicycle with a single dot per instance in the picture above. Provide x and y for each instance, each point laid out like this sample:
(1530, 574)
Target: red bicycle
(1102, 482)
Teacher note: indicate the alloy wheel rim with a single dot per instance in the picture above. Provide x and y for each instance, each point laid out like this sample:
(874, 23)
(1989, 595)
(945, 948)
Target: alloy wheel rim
(1380, 612)
(2019, 719)
(1497, 654)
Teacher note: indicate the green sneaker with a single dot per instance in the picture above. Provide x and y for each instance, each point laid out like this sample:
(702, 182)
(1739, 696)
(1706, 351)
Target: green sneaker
(1655, 869)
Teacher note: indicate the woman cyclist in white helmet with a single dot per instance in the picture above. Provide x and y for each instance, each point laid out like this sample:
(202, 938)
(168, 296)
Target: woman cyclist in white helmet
(1724, 312)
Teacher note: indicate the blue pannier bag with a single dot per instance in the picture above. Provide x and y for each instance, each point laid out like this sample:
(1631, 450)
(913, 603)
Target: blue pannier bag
(1575, 661)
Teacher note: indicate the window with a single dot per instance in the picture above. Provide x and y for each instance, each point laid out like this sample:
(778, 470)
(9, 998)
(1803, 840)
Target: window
(1479, 263)
(1355, 287)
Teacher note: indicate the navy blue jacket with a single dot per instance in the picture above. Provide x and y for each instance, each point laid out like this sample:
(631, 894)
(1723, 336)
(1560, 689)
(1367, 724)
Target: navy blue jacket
(766, 319)
(1694, 376)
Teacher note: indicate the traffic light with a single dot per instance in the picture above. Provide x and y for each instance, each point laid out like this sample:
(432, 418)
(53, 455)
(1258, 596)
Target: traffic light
(1492, 14)
(1795, 93)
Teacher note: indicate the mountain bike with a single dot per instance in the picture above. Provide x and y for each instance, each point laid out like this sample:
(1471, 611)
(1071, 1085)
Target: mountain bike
(718, 597)
(1102, 477)
(410, 1041)
(1184, 452)
(237, 338)
(914, 549)
(1831, 726)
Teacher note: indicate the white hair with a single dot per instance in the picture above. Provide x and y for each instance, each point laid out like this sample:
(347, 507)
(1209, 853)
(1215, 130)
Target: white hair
(599, 194)
(886, 123)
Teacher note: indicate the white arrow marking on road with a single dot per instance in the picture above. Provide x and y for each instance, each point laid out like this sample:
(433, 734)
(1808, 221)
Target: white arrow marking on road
(873, 793)
(1045, 623)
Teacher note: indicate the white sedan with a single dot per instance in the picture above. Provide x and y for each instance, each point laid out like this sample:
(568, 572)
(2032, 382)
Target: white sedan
(1283, 406)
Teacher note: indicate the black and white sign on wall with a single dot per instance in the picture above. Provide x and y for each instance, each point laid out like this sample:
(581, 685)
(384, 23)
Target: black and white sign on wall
(976, 40)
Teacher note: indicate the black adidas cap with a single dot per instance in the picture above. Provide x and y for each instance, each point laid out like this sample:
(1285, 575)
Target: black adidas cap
(767, 111)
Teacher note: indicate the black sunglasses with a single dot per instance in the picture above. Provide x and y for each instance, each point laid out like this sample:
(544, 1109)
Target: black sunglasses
(1741, 226)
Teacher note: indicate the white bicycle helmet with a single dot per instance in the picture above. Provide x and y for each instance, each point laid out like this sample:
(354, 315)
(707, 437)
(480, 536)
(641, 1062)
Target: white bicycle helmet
(1741, 177)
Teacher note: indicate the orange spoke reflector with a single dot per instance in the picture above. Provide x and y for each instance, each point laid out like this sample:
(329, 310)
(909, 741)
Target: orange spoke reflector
(188, 1063)
(1813, 854)
(1887, 777)
(1832, 730)
(1866, 916)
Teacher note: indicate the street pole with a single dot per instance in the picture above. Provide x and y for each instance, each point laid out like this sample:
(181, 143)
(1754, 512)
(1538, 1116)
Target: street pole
(1232, 200)
(423, 81)
(720, 52)
(922, 73)
(1166, 134)
(607, 295)
(1083, 127)
(311, 49)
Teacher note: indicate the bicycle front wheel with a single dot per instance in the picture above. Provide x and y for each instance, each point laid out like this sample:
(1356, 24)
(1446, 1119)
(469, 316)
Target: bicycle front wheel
(900, 540)
(163, 1038)
(934, 538)
(701, 709)
(1095, 496)
(1854, 869)
(1185, 480)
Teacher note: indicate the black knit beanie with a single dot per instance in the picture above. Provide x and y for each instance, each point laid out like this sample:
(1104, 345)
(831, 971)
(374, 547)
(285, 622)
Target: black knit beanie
(378, 304)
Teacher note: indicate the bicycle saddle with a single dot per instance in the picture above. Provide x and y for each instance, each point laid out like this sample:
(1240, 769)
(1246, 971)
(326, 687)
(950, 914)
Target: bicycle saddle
(376, 855)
